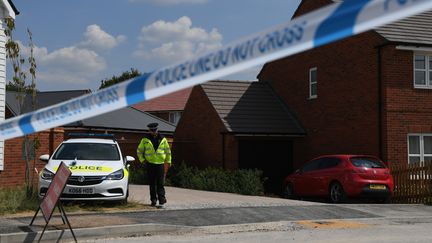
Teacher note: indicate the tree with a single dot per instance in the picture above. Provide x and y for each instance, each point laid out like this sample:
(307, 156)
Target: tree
(18, 84)
(123, 77)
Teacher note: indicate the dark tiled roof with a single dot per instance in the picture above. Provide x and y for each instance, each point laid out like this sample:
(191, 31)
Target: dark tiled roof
(126, 118)
(43, 99)
(171, 102)
(415, 29)
(251, 107)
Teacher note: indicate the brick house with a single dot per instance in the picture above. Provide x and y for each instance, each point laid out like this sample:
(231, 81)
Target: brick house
(367, 94)
(168, 107)
(237, 124)
(127, 124)
(7, 10)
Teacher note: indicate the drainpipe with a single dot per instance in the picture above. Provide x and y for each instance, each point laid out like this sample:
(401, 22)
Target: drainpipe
(380, 105)
(51, 141)
(223, 151)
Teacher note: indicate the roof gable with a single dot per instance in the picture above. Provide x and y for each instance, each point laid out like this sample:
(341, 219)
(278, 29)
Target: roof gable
(251, 107)
(415, 29)
(9, 9)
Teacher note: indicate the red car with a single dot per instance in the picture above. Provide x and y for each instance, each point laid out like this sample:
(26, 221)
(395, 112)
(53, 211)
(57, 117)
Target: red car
(341, 176)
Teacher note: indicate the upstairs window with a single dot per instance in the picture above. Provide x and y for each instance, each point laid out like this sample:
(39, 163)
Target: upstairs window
(422, 71)
(313, 82)
(174, 117)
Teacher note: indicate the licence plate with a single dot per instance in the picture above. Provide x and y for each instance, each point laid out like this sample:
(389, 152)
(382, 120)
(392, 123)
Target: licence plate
(78, 190)
(377, 187)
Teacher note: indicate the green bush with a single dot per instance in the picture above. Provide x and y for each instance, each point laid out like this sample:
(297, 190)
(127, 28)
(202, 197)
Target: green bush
(248, 182)
(14, 200)
(138, 174)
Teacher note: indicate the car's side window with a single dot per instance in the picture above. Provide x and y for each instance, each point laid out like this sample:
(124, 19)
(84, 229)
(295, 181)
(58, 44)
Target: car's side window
(311, 166)
(327, 163)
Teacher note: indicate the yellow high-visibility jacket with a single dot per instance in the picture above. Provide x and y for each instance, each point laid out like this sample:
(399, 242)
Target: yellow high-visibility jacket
(146, 152)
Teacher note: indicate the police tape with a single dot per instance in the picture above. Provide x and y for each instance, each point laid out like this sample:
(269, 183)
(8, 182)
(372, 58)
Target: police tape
(314, 29)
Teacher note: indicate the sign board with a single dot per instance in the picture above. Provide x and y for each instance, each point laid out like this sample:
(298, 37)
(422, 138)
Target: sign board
(54, 191)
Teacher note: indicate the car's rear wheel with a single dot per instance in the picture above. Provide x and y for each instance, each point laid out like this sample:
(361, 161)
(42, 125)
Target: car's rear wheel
(336, 193)
(288, 191)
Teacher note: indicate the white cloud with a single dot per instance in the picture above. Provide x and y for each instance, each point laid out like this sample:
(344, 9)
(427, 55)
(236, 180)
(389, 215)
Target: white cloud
(77, 65)
(74, 59)
(98, 39)
(170, 2)
(174, 41)
(71, 67)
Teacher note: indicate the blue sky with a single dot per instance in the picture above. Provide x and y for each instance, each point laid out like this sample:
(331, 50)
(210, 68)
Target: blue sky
(79, 43)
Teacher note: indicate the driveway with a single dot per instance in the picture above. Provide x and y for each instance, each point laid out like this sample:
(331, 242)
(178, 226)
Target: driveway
(180, 198)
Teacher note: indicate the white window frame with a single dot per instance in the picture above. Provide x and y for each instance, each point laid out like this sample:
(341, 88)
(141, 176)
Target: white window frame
(174, 117)
(421, 144)
(313, 82)
(427, 70)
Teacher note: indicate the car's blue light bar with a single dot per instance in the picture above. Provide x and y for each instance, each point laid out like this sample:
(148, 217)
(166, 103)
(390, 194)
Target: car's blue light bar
(92, 135)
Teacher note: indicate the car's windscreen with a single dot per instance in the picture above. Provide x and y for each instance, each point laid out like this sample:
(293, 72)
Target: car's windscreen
(367, 162)
(87, 151)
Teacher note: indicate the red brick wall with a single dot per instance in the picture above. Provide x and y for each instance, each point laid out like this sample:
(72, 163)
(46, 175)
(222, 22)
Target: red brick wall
(408, 110)
(14, 165)
(198, 138)
(345, 116)
(231, 152)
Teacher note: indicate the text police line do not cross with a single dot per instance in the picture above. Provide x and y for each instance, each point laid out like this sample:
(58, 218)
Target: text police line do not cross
(314, 29)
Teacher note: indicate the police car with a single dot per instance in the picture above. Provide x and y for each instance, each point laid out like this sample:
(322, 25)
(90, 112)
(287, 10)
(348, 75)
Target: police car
(99, 170)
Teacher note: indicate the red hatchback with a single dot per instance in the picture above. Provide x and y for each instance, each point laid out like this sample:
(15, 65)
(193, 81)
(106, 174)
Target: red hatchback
(341, 176)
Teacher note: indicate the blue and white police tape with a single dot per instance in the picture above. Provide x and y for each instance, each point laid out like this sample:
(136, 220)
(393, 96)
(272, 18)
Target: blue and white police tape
(317, 28)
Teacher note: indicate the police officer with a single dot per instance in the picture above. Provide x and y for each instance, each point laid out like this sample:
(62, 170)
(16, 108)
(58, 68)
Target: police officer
(154, 149)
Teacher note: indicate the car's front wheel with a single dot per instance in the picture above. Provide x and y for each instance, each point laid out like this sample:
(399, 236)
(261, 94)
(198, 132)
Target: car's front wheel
(336, 193)
(288, 191)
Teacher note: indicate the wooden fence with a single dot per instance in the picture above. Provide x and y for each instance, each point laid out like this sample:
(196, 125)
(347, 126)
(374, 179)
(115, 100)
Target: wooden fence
(413, 183)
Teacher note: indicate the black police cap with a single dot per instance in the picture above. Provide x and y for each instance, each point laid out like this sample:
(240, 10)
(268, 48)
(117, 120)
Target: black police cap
(153, 126)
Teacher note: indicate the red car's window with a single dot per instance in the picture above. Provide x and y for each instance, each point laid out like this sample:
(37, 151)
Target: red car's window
(311, 166)
(367, 162)
(327, 163)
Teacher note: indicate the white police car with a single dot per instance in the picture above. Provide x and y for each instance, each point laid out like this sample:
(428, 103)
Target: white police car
(99, 170)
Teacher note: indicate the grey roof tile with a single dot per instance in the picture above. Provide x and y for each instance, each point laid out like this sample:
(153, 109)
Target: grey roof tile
(415, 29)
(126, 118)
(251, 107)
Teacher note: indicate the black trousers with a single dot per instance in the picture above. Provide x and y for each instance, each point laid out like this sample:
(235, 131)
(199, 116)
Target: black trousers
(156, 178)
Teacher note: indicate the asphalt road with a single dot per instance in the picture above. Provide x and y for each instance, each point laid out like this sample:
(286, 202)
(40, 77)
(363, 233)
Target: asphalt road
(199, 216)
(353, 231)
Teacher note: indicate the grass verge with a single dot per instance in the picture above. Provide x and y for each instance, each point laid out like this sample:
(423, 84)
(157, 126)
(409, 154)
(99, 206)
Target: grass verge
(14, 201)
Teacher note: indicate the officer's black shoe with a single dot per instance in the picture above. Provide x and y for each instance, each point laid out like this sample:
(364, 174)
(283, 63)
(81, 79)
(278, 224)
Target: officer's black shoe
(153, 203)
(162, 201)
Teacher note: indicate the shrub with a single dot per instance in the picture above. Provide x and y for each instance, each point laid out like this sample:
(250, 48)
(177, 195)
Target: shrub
(13, 200)
(138, 174)
(248, 182)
